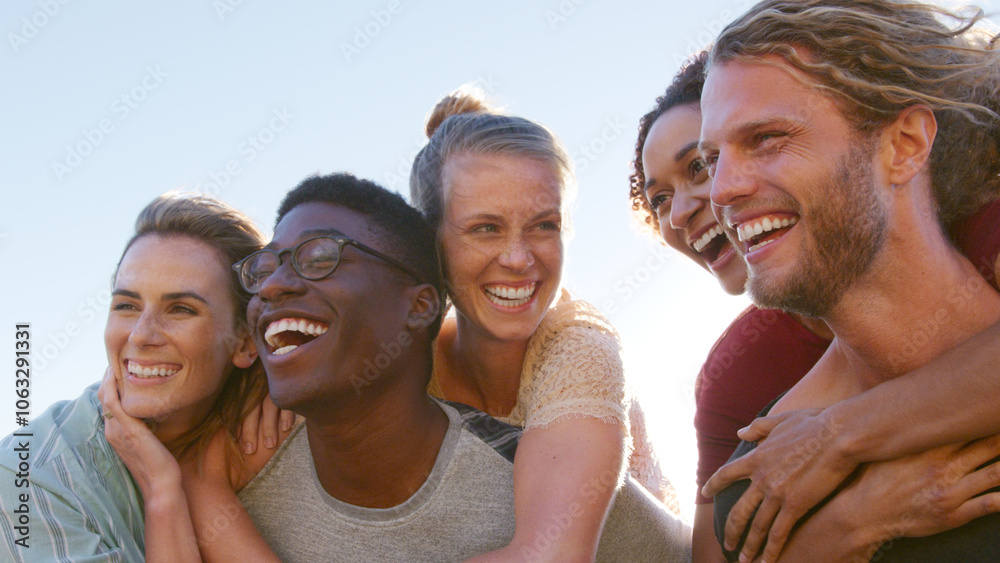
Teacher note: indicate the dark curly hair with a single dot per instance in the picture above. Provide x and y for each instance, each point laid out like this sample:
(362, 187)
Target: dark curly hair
(685, 89)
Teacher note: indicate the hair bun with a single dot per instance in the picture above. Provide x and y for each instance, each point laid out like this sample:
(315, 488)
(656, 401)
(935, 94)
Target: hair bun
(461, 101)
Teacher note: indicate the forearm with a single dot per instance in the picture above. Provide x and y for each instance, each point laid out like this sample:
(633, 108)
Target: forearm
(564, 479)
(168, 530)
(705, 547)
(951, 399)
(223, 526)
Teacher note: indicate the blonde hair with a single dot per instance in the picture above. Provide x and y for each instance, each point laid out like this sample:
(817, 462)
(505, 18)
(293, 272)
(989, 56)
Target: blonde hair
(463, 122)
(234, 236)
(877, 57)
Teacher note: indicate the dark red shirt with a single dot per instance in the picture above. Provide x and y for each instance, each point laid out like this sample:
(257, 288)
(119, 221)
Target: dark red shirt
(764, 352)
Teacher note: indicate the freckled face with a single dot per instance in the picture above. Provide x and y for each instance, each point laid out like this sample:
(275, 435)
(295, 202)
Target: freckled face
(678, 190)
(172, 335)
(501, 242)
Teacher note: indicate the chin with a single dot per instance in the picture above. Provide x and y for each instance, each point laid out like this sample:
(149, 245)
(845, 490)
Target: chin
(144, 409)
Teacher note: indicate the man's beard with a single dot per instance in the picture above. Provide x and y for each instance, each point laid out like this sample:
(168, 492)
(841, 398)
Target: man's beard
(846, 231)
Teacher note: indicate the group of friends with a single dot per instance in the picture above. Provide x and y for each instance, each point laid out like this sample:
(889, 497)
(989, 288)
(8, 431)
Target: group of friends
(309, 398)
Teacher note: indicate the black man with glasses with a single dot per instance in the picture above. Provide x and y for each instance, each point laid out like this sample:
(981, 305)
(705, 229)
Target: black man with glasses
(347, 291)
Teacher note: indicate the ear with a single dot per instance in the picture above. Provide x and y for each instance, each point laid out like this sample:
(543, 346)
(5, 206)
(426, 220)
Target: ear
(425, 307)
(245, 352)
(909, 141)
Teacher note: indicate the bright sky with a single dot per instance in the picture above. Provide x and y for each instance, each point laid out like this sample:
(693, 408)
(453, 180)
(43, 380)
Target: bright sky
(109, 104)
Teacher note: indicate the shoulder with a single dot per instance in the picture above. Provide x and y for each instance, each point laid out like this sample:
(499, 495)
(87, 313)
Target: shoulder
(63, 427)
(572, 327)
(498, 436)
(763, 351)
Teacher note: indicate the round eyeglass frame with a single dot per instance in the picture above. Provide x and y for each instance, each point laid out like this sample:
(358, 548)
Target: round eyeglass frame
(341, 241)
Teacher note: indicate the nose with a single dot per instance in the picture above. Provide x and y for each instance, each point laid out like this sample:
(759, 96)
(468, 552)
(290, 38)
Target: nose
(732, 179)
(683, 209)
(517, 254)
(283, 282)
(147, 330)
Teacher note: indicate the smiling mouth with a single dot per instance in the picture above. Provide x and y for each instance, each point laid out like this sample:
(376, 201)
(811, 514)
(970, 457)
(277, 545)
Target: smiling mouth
(507, 296)
(149, 372)
(764, 230)
(284, 335)
(711, 244)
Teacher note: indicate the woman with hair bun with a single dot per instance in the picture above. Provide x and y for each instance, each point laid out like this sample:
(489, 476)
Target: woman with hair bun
(519, 347)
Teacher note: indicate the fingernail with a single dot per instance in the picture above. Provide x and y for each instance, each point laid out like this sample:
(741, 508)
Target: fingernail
(269, 442)
(247, 448)
(744, 558)
(286, 425)
(728, 545)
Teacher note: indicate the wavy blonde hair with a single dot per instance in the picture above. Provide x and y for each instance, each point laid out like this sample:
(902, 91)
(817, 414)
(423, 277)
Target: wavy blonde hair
(875, 58)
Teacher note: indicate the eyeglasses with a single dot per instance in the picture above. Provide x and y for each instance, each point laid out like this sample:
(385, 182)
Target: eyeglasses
(312, 259)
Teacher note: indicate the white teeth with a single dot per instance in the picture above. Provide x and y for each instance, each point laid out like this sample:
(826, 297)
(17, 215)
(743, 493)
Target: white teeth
(284, 350)
(296, 325)
(750, 230)
(759, 245)
(148, 372)
(510, 296)
(706, 238)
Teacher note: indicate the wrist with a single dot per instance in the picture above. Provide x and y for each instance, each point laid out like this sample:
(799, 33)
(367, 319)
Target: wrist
(848, 441)
(164, 501)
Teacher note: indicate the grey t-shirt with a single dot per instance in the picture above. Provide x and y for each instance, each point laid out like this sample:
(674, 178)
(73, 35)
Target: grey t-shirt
(464, 508)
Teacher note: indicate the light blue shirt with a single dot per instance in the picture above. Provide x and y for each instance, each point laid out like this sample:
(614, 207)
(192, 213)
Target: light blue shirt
(82, 504)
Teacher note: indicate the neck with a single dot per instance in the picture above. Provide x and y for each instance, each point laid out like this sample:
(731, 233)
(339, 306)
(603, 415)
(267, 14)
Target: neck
(484, 369)
(378, 449)
(168, 429)
(815, 326)
(920, 299)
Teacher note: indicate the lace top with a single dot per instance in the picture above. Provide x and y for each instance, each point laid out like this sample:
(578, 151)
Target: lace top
(573, 369)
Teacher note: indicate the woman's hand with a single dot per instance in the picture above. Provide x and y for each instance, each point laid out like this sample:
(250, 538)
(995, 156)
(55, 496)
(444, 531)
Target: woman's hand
(265, 424)
(169, 533)
(797, 466)
(147, 459)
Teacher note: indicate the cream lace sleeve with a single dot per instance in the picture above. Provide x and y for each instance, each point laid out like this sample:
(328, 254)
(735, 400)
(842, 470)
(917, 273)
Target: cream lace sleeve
(572, 369)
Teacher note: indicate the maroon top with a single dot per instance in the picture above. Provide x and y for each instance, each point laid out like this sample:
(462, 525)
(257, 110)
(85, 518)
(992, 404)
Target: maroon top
(979, 239)
(764, 352)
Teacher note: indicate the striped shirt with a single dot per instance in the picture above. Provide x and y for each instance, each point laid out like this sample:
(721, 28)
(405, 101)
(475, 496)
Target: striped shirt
(81, 503)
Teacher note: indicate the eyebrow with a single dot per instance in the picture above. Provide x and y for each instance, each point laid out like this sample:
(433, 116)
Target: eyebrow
(650, 182)
(684, 150)
(499, 218)
(309, 233)
(166, 296)
(751, 126)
